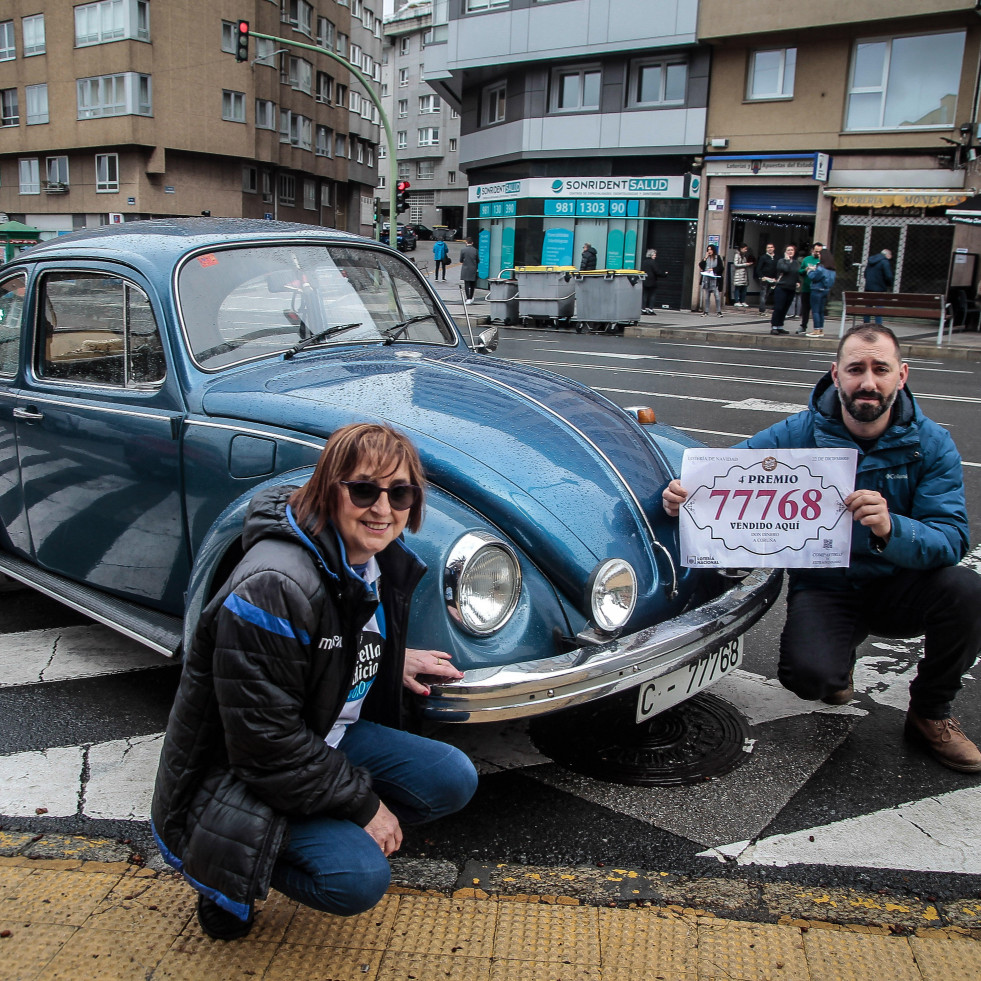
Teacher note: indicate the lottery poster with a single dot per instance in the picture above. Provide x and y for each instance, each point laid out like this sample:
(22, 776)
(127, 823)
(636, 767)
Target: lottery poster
(773, 509)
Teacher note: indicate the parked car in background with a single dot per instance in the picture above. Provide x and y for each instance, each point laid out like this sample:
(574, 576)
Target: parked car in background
(405, 238)
(423, 232)
(155, 375)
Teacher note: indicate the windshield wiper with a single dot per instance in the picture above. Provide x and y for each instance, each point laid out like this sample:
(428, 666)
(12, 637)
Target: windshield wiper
(317, 338)
(393, 333)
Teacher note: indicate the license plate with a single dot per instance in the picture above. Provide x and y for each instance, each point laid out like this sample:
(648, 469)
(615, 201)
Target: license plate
(676, 686)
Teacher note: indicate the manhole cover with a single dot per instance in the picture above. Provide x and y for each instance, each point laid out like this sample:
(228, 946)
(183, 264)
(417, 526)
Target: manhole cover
(703, 737)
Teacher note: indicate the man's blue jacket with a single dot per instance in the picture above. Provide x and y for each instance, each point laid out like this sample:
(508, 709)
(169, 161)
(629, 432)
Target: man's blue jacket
(914, 465)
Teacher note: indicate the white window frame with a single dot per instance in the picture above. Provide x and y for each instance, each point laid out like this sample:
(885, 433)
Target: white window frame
(229, 37)
(286, 189)
(32, 29)
(570, 71)
(451, 177)
(232, 106)
(310, 195)
(403, 77)
(883, 87)
(663, 66)
(250, 179)
(403, 170)
(404, 45)
(426, 170)
(56, 170)
(478, 6)
(786, 70)
(324, 144)
(429, 103)
(402, 139)
(8, 42)
(29, 175)
(106, 173)
(428, 136)
(451, 145)
(301, 75)
(340, 144)
(326, 33)
(111, 20)
(494, 104)
(265, 114)
(403, 108)
(9, 108)
(325, 88)
(36, 103)
(124, 94)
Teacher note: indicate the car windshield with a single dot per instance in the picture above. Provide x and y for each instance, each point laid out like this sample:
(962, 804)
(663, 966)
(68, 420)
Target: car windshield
(248, 302)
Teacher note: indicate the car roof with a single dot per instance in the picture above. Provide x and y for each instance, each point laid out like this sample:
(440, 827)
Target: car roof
(169, 238)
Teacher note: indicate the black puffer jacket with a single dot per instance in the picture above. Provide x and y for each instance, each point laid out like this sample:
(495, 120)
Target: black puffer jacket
(264, 681)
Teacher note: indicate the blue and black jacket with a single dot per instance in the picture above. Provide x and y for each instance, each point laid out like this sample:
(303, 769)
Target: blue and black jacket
(265, 679)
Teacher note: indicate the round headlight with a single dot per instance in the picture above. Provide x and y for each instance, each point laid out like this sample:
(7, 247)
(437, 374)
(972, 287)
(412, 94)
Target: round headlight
(612, 594)
(482, 582)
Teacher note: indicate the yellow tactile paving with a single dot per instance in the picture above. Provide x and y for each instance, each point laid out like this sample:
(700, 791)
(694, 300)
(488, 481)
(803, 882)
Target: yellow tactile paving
(533, 932)
(368, 931)
(432, 967)
(26, 948)
(947, 960)
(199, 958)
(293, 962)
(436, 926)
(160, 906)
(839, 955)
(107, 955)
(55, 896)
(749, 952)
(642, 944)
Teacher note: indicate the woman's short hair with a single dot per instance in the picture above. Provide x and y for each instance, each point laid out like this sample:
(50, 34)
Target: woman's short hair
(358, 446)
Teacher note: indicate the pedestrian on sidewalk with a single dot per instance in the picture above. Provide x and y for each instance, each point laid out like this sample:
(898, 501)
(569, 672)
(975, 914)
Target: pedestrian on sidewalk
(909, 531)
(766, 275)
(808, 263)
(878, 277)
(587, 261)
(441, 257)
(742, 264)
(469, 260)
(712, 269)
(285, 761)
(822, 278)
(785, 289)
(652, 272)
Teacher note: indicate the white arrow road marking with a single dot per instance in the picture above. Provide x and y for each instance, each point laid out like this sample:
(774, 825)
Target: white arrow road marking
(65, 653)
(937, 834)
(111, 780)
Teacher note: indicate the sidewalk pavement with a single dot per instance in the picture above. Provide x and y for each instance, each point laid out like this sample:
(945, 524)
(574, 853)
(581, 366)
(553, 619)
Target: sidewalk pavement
(67, 918)
(743, 328)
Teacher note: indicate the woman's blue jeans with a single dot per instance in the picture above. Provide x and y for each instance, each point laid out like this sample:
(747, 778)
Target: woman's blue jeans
(335, 865)
(819, 303)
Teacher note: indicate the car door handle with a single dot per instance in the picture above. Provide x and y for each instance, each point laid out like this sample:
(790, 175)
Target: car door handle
(29, 415)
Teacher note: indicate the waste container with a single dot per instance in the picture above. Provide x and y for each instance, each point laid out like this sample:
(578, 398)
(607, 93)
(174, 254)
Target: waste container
(503, 299)
(606, 299)
(546, 294)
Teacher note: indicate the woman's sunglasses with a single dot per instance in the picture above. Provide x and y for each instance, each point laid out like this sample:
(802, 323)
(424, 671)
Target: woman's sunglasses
(364, 493)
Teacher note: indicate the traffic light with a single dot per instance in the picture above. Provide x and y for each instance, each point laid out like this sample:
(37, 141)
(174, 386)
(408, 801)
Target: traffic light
(401, 196)
(242, 41)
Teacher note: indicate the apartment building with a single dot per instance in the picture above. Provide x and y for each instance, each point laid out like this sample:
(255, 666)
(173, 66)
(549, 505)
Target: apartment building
(426, 127)
(850, 122)
(582, 121)
(122, 109)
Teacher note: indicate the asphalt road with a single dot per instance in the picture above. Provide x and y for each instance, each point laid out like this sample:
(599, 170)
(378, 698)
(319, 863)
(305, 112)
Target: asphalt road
(823, 795)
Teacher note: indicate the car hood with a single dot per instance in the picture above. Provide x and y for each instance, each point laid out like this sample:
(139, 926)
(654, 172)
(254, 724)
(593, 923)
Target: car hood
(544, 459)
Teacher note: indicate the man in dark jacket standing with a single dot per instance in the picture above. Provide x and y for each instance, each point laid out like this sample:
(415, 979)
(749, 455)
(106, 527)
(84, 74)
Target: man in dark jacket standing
(765, 272)
(910, 530)
(588, 259)
(788, 277)
(878, 276)
(652, 273)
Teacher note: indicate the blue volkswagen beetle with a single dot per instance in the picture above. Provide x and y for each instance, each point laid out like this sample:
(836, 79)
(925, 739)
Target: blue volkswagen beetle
(155, 375)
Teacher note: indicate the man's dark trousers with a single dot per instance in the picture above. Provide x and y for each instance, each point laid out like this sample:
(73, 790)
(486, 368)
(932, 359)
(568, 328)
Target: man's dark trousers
(824, 627)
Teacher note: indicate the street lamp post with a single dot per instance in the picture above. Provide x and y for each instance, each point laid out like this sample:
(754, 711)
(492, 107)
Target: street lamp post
(369, 88)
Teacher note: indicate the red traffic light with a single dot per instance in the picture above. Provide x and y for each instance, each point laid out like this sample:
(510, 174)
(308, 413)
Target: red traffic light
(242, 41)
(403, 186)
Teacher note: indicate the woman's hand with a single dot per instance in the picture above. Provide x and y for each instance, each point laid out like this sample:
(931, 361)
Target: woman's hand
(384, 828)
(672, 497)
(432, 664)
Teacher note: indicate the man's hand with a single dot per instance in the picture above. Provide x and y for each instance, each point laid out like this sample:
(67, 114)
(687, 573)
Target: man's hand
(672, 497)
(385, 830)
(869, 508)
(434, 664)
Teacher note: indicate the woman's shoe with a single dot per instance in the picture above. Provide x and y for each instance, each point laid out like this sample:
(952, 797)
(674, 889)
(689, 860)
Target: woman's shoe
(815, 333)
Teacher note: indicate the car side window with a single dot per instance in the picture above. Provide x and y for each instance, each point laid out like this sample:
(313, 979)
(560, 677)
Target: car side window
(11, 316)
(99, 329)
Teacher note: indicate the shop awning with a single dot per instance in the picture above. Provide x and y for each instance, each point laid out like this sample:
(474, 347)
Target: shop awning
(883, 197)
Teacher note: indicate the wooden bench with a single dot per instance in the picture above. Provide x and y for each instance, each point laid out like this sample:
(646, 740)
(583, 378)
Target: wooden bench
(895, 306)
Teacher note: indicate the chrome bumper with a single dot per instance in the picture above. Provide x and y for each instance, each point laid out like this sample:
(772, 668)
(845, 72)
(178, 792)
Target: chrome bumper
(535, 687)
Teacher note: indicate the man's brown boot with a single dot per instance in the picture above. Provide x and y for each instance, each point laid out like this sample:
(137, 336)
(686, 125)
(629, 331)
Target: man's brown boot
(945, 740)
(844, 695)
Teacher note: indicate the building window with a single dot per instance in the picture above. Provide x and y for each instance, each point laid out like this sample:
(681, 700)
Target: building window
(404, 45)
(299, 14)
(494, 101)
(403, 77)
(403, 108)
(451, 177)
(36, 97)
(905, 82)
(326, 33)
(325, 137)
(340, 145)
(287, 189)
(33, 28)
(9, 112)
(107, 172)
(476, 5)
(342, 40)
(575, 89)
(300, 131)
(425, 170)
(114, 95)
(56, 169)
(382, 151)
(771, 74)
(233, 106)
(325, 195)
(325, 84)
(30, 175)
(264, 51)
(8, 48)
(403, 170)
(229, 37)
(452, 144)
(301, 75)
(112, 20)
(265, 114)
(429, 136)
(655, 83)
(370, 159)
(428, 103)
(310, 195)
(402, 139)
(250, 180)
(340, 94)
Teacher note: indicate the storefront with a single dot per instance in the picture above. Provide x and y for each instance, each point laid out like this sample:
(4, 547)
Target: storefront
(547, 221)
